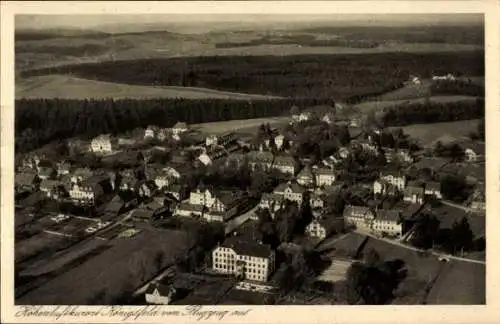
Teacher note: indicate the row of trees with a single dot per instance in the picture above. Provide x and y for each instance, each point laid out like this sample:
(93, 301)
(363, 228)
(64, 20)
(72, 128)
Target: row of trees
(433, 112)
(340, 76)
(456, 87)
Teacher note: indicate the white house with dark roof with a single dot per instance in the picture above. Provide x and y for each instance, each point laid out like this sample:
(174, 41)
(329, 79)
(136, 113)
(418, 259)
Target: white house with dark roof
(151, 132)
(291, 191)
(324, 176)
(103, 144)
(388, 221)
(305, 177)
(244, 259)
(359, 216)
(87, 191)
(260, 160)
(395, 178)
(322, 227)
(414, 193)
(286, 164)
(179, 128)
(433, 188)
(272, 202)
(474, 151)
(159, 294)
(225, 206)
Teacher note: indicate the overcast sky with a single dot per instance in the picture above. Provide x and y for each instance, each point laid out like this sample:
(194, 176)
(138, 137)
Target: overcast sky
(101, 21)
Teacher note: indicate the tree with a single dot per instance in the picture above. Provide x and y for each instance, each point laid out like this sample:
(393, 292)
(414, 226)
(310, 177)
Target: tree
(481, 129)
(294, 110)
(426, 231)
(461, 235)
(454, 187)
(371, 257)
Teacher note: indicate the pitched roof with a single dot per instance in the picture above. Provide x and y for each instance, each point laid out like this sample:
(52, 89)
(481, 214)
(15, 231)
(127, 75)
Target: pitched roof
(271, 197)
(189, 207)
(295, 187)
(244, 247)
(164, 290)
(433, 185)
(181, 125)
(414, 190)
(305, 172)
(324, 171)
(285, 160)
(392, 215)
(351, 210)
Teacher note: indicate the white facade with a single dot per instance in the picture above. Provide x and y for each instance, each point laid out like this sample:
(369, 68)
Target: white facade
(324, 179)
(226, 260)
(315, 229)
(84, 194)
(202, 197)
(102, 144)
(279, 141)
(156, 298)
(390, 227)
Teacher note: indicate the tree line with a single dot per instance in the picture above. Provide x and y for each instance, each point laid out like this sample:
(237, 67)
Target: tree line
(433, 112)
(40, 121)
(339, 76)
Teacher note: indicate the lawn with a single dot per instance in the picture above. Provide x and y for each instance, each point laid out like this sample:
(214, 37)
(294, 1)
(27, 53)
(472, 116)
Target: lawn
(342, 245)
(113, 274)
(461, 283)
(428, 134)
(67, 87)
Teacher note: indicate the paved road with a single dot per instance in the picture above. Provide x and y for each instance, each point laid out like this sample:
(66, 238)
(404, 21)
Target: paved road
(393, 242)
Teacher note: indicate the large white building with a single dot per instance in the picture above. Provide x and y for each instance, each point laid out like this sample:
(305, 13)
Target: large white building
(246, 260)
(103, 144)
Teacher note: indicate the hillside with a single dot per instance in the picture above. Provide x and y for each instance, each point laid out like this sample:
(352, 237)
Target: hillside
(68, 87)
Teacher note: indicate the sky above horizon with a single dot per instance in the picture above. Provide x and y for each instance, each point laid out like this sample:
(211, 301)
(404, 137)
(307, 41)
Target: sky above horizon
(101, 21)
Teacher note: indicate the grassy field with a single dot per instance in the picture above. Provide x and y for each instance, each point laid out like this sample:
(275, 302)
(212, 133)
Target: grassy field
(114, 273)
(37, 244)
(67, 87)
(460, 283)
(242, 126)
(428, 134)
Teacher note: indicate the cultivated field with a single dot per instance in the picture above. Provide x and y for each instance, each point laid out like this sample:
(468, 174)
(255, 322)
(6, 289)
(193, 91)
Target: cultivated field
(428, 134)
(68, 87)
(113, 274)
(40, 243)
(460, 283)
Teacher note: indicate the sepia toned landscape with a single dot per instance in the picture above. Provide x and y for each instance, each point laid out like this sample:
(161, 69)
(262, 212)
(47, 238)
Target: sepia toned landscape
(329, 160)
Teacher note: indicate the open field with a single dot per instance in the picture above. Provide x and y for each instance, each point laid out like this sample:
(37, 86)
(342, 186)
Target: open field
(461, 283)
(68, 87)
(342, 245)
(427, 134)
(243, 125)
(114, 273)
(38, 244)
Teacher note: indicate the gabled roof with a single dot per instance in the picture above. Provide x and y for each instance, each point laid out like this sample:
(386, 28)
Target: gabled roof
(433, 185)
(271, 197)
(295, 187)
(163, 290)
(392, 215)
(245, 247)
(285, 160)
(324, 171)
(413, 190)
(25, 178)
(351, 210)
(190, 207)
(180, 125)
(305, 172)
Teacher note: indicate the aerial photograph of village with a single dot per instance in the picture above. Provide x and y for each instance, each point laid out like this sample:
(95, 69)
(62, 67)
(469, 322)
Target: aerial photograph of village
(166, 159)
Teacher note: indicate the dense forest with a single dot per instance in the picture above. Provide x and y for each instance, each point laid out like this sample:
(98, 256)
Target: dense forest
(433, 112)
(39, 121)
(342, 76)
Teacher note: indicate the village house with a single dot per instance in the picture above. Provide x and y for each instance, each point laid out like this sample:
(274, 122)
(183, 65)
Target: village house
(45, 170)
(291, 191)
(81, 174)
(433, 189)
(324, 177)
(478, 200)
(176, 171)
(151, 132)
(367, 145)
(177, 191)
(383, 187)
(63, 168)
(159, 294)
(260, 160)
(224, 207)
(272, 202)
(244, 259)
(318, 199)
(389, 222)
(329, 118)
(179, 128)
(414, 193)
(474, 152)
(189, 210)
(279, 141)
(88, 191)
(51, 188)
(146, 189)
(26, 182)
(103, 144)
(359, 216)
(331, 161)
(286, 164)
(202, 195)
(343, 152)
(162, 180)
(322, 227)
(306, 115)
(305, 177)
(220, 140)
(162, 134)
(396, 179)
(148, 212)
(128, 180)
